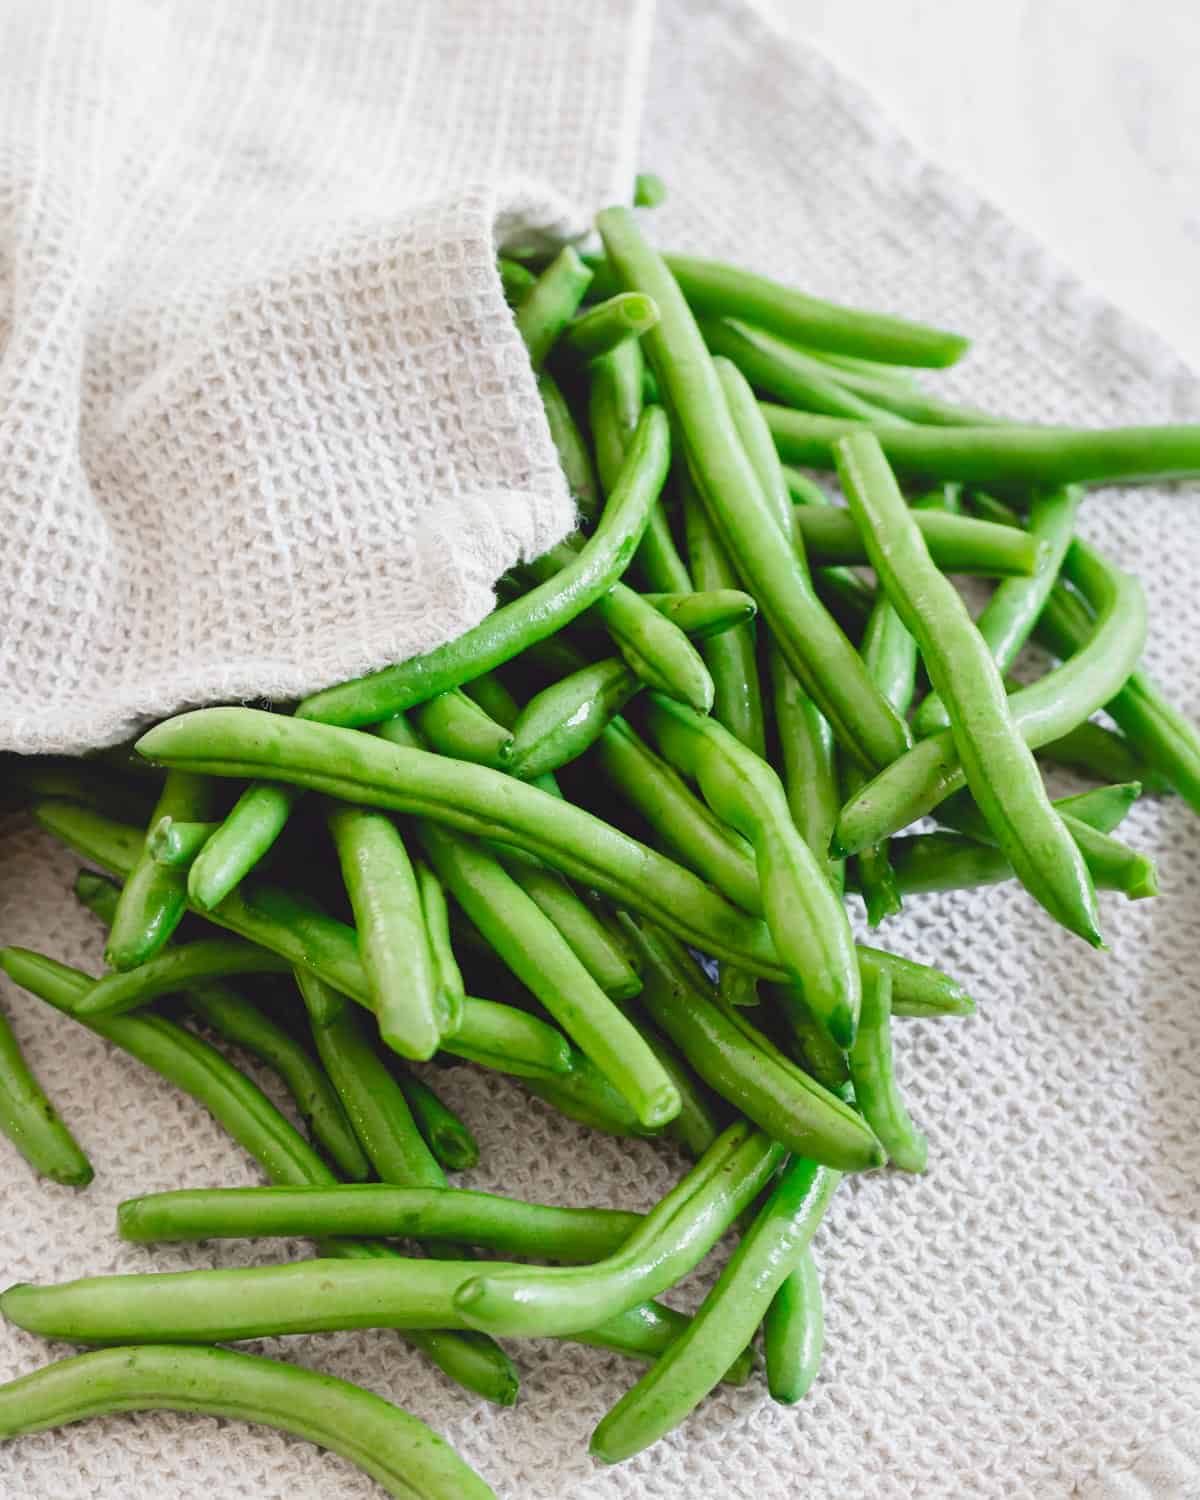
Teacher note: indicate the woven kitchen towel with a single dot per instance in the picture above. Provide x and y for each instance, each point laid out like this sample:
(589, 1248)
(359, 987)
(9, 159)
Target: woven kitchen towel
(1021, 1323)
(264, 419)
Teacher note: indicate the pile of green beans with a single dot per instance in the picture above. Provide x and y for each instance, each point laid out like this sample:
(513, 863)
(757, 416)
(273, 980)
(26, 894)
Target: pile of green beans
(573, 808)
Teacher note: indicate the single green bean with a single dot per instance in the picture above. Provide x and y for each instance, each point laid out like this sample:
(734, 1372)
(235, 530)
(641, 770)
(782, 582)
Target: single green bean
(1004, 457)
(875, 1089)
(248, 832)
(566, 718)
(571, 447)
(776, 575)
(743, 1065)
(32, 1123)
(806, 766)
(693, 1365)
(1102, 808)
(669, 1242)
(918, 990)
(550, 304)
(153, 900)
(794, 1333)
(588, 576)
(949, 862)
(447, 976)
(997, 762)
(957, 544)
(177, 844)
(597, 331)
(454, 724)
(176, 969)
(392, 940)
(702, 615)
(804, 916)
(584, 1094)
(380, 1211)
(515, 281)
(822, 1056)
(399, 1452)
(649, 190)
(453, 1145)
(1011, 613)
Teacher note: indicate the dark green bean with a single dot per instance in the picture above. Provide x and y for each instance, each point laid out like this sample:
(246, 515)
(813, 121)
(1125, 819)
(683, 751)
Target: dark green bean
(562, 721)
(210, 958)
(693, 1365)
(806, 766)
(1002, 457)
(571, 447)
(875, 1089)
(550, 304)
(248, 832)
(404, 1456)
(27, 778)
(453, 1145)
(454, 724)
(794, 1333)
(1102, 808)
(957, 544)
(516, 281)
(822, 1056)
(588, 576)
(1104, 755)
(447, 976)
(32, 1123)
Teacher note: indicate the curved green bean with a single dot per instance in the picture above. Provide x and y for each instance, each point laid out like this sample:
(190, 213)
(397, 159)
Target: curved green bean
(957, 544)
(454, 724)
(794, 1333)
(402, 1454)
(550, 304)
(1104, 755)
(32, 1123)
(248, 832)
(566, 718)
(586, 578)
(209, 958)
(875, 1089)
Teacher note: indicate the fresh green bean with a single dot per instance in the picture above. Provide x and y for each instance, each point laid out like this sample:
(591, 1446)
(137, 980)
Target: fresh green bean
(669, 1242)
(540, 957)
(805, 917)
(693, 1365)
(31, 1122)
(566, 718)
(1102, 754)
(236, 1019)
(1002, 457)
(447, 976)
(515, 280)
(588, 576)
(1102, 808)
(452, 1144)
(814, 646)
(392, 941)
(794, 1333)
(454, 724)
(957, 544)
(404, 1456)
(153, 900)
(571, 447)
(997, 762)
(918, 990)
(649, 190)
(696, 1126)
(875, 1089)
(584, 1094)
(1011, 613)
(248, 832)
(176, 969)
(806, 766)
(949, 861)
(822, 1056)
(743, 1065)
(380, 1211)
(550, 304)
(1109, 651)
(362, 768)
(177, 844)
(597, 331)
(702, 615)
(854, 593)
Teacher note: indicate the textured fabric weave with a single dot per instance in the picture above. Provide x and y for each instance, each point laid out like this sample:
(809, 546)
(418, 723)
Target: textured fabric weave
(1023, 1322)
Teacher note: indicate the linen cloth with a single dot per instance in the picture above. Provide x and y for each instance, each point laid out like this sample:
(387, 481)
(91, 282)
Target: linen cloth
(1021, 1323)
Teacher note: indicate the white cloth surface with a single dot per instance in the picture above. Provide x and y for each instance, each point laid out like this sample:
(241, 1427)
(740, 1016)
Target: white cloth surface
(1021, 1323)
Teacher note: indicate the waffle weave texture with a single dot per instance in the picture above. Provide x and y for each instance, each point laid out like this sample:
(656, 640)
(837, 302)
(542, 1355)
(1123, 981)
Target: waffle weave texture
(1023, 1322)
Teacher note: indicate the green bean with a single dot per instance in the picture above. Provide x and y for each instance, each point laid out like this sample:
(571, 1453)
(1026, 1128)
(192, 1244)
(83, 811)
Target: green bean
(1010, 615)
(362, 768)
(794, 1333)
(997, 762)
(816, 649)
(875, 1089)
(918, 990)
(648, 1331)
(682, 822)
(584, 1094)
(506, 632)
(803, 914)
(1002, 457)
(806, 766)
(536, 952)
(947, 861)
(743, 1065)
(957, 544)
(452, 1144)
(720, 291)
(1104, 755)
(515, 281)
(447, 976)
(455, 725)
(566, 718)
(392, 941)
(696, 1126)
(931, 770)
(649, 190)
(1102, 808)
(248, 832)
(31, 1122)
(177, 844)
(782, 371)
(380, 1211)
(154, 898)
(550, 304)
(401, 1453)
(601, 328)
(571, 447)
(239, 1021)
(730, 657)
(822, 1056)
(669, 1242)
(210, 958)
(689, 1370)
(702, 615)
